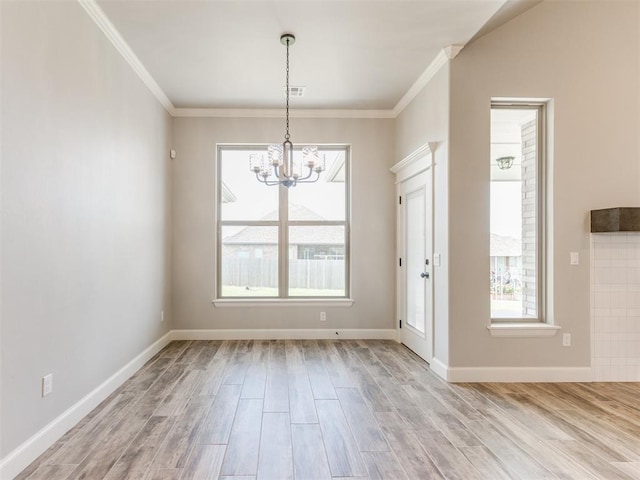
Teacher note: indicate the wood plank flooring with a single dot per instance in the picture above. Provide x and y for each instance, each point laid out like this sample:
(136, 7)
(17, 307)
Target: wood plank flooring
(341, 409)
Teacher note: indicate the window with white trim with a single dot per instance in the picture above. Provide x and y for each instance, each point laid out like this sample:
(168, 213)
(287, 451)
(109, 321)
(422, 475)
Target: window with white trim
(279, 242)
(517, 211)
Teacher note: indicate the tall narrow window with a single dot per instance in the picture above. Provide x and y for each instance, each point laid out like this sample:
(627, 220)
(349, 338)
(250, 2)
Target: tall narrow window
(517, 186)
(282, 242)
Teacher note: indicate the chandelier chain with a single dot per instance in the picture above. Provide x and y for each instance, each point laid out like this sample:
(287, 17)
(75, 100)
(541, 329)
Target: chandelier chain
(286, 136)
(278, 166)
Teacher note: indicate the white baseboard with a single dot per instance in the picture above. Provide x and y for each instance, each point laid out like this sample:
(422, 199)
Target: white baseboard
(21, 457)
(26, 453)
(515, 374)
(287, 334)
(439, 368)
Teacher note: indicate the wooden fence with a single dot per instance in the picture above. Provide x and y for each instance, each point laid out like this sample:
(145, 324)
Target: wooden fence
(263, 272)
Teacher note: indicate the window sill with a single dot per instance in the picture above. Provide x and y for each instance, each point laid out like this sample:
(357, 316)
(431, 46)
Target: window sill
(281, 302)
(523, 329)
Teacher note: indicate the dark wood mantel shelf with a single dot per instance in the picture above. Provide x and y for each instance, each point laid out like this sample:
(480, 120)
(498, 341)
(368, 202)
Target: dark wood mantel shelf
(619, 219)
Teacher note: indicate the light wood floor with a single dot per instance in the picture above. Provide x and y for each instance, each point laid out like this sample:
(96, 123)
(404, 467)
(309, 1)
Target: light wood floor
(323, 409)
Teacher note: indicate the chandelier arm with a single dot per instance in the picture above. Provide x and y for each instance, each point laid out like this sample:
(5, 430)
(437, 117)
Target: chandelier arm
(270, 184)
(304, 180)
(307, 176)
(263, 180)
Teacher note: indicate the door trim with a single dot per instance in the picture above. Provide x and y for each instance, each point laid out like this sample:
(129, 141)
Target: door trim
(420, 160)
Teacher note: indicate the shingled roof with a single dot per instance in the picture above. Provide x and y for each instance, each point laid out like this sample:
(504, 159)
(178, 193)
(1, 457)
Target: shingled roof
(502, 246)
(318, 235)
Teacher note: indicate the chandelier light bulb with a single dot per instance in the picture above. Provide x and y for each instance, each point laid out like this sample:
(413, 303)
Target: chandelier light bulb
(275, 154)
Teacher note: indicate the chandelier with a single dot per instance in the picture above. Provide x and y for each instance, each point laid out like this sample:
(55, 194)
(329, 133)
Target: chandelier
(279, 166)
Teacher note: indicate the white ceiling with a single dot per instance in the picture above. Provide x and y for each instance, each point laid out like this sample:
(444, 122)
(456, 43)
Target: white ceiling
(350, 54)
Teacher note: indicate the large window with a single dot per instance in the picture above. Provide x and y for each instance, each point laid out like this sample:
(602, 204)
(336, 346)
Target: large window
(279, 242)
(517, 194)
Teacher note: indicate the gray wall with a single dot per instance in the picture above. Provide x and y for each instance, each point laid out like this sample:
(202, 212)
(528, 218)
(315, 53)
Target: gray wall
(570, 52)
(85, 213)
(426, 119)
(372, 226)
(86, 202)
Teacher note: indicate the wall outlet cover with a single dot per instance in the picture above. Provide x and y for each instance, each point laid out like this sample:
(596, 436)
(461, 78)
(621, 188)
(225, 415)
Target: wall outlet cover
(47, 385)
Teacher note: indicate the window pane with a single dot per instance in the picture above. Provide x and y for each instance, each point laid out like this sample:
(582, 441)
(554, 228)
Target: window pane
(317, 261)
(415, 255)
(325, 199)
(243, 197)
(249, 262)
(514, 215)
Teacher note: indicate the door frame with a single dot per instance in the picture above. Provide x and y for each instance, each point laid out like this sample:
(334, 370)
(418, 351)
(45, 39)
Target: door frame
(421, 160)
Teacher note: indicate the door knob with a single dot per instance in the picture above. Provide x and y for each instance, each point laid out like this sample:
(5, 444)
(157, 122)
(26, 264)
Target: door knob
(424, 274)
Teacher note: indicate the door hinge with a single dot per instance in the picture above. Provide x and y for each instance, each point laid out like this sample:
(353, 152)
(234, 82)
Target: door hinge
(400, 323)
(400, 200)
(399, 262)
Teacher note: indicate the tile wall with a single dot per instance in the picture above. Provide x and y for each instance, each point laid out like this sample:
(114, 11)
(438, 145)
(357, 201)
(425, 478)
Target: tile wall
(615, 306)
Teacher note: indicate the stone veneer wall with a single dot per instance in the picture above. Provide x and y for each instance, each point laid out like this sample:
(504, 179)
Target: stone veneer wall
(615, 306)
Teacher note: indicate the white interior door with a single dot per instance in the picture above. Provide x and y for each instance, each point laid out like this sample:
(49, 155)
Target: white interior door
(416, 214)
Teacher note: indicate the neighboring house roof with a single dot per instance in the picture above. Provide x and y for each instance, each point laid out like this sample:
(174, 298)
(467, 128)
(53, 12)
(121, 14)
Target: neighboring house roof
(505, 246)
(318, 235)
(296, 212)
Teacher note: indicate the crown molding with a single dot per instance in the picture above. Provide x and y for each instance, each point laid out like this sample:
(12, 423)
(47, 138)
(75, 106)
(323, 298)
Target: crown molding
(277, 113)
(452, 51)
(102, 21)
(99, 17)
(441, 59)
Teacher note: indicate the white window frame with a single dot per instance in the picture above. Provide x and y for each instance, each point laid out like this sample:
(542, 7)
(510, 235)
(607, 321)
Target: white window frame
(532, 326)
(283, 223)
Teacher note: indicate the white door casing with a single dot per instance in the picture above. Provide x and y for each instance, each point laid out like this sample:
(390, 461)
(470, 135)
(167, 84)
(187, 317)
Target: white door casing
(415, 251)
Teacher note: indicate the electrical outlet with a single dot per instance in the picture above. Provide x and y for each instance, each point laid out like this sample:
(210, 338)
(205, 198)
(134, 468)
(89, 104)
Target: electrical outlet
(161, 316)
(566, 339)
(323, 316)
(47, 384)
